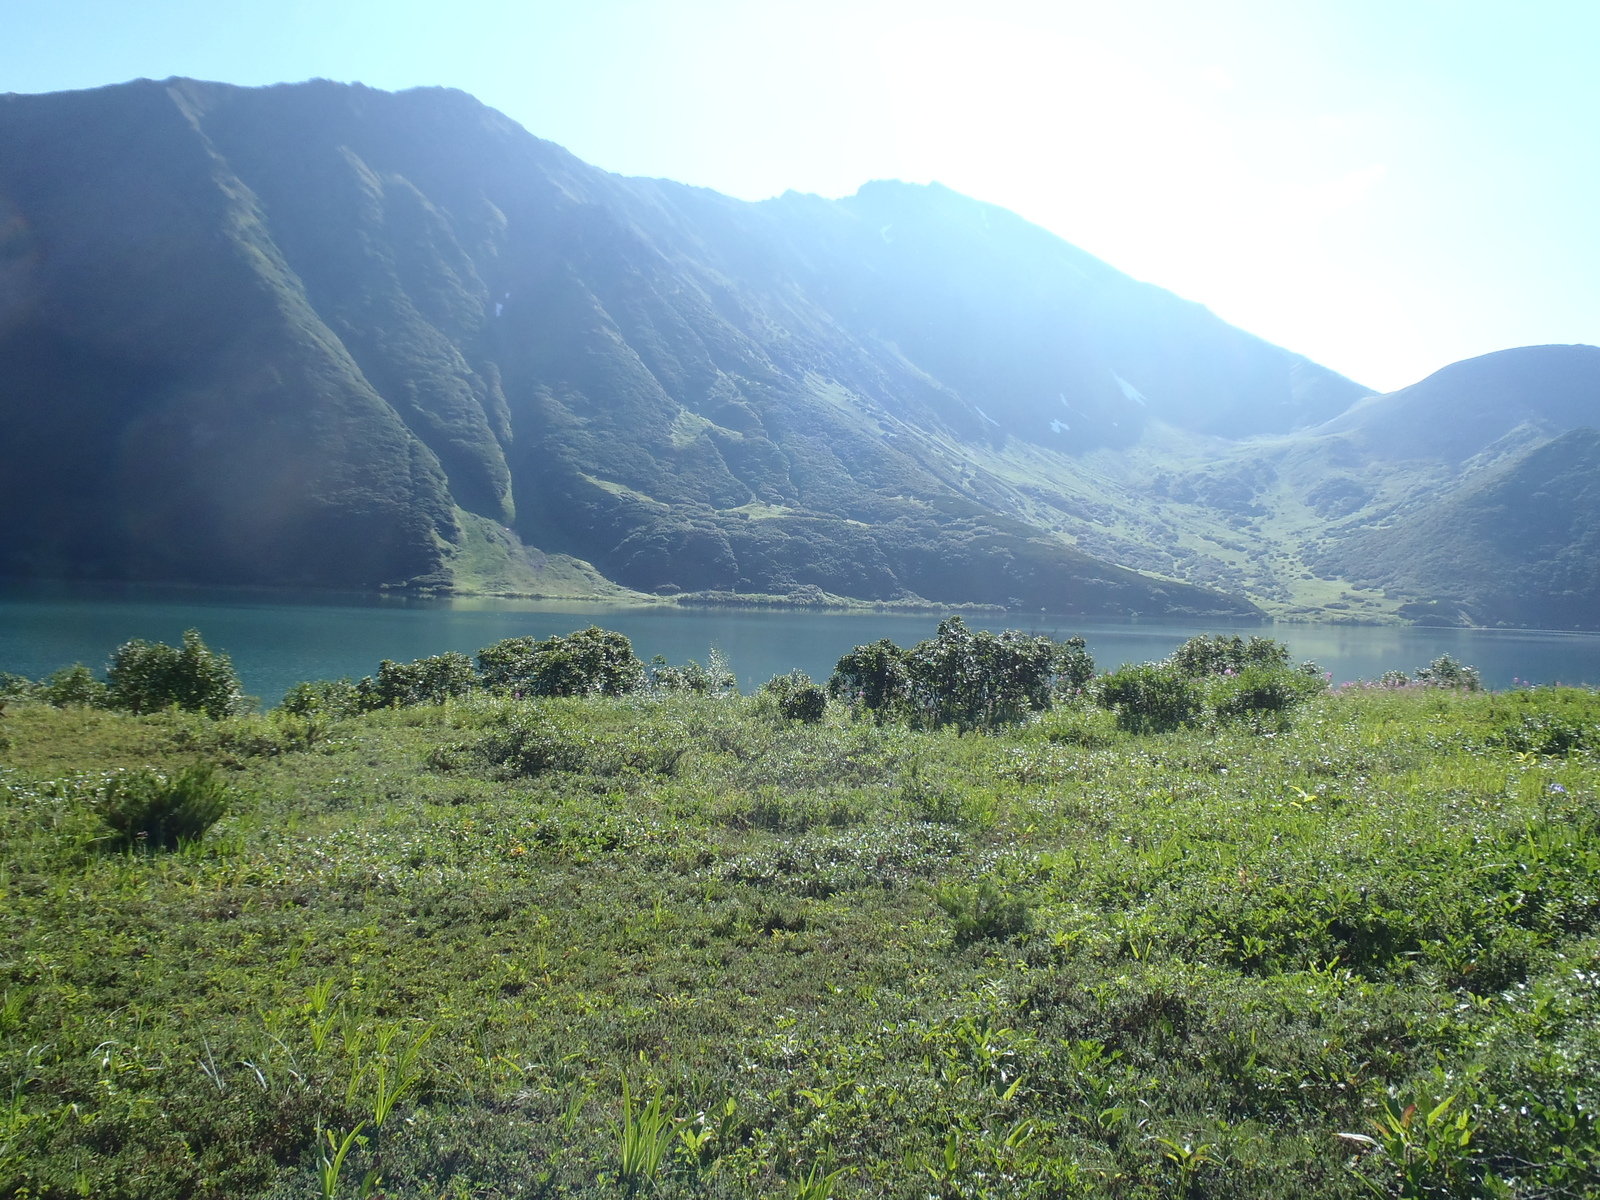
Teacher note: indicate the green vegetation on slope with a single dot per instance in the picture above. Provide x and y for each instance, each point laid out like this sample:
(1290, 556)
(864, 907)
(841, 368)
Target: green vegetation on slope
(675, 944)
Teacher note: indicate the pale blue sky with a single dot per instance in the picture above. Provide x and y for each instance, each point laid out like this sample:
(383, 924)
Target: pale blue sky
(1385, 186)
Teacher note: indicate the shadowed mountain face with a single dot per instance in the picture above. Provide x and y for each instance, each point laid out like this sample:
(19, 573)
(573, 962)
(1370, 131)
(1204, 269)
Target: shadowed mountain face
(319, 334)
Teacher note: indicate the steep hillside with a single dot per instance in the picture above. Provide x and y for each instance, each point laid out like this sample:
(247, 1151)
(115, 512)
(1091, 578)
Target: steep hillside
(1518, 545)
(320, 334)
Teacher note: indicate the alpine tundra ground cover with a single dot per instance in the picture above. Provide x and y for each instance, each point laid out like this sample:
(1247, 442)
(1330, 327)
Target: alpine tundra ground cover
(678, 944)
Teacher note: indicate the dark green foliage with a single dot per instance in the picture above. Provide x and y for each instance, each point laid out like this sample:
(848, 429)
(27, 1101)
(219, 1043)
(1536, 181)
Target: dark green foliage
(978, 680)
(983, 911)
(588, 662)
(1445, 671)
(323, 697)
(73, 687)
(146, 676)
(1074, 666)
(148, 810)
(874, 679)
(1548, 721)
(1258, 692)
(16, 687)
(1151, 697)
(1214, 654)
(796, 697)
(424, 681)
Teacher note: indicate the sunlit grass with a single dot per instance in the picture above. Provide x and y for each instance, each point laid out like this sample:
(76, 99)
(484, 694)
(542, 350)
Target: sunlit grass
(827, 959)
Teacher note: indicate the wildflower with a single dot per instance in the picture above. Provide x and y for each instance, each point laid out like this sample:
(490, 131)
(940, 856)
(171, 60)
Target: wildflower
(518, 851)
(1557, 788)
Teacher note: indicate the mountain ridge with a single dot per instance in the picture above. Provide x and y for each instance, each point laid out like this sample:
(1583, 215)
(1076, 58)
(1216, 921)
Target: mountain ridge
(324, 335)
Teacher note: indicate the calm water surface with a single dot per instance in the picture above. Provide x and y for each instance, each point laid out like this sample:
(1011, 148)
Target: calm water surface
(278, 639)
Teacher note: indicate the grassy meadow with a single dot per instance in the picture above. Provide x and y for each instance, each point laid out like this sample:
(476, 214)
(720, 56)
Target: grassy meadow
(680, 946)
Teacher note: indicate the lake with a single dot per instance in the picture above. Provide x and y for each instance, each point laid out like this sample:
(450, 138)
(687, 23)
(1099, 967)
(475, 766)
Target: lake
(277, 639)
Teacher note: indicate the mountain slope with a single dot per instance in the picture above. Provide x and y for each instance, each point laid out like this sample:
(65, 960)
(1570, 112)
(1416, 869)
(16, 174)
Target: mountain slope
(320, 334)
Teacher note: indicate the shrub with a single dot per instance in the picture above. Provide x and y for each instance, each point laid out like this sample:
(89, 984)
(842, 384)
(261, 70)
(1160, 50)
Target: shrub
(1445, 671)
(1213, 654)
(983, 911)
(543, 746)
(1257, 691)
(322, 697)
(979, 680)
(716, 678)
(1074, 667)
(1546, 733)
(797, 698)
(15, 687)
(1151, 697)
(73, 687)
(152, 811)
(149, 676)
(874, 679)
(588, 662)
(423, 681)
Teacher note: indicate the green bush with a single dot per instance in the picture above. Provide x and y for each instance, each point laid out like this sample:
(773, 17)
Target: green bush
(873, 679)
(1547, 733)
(983, 912)
(979, 680)
(73, 687)
(716, 678)
(1445, 671)
(1074, 667)
(15, 687)
(149, 676)
(322, 697)
(588, 662)
(554, 745)
(1151, 697)
(1261, 691)
(796, 697)
(423, 681)
(148, 810)
(1214, 654)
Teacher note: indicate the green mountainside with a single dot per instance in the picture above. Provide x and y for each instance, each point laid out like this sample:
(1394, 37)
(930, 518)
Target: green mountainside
(322, 335)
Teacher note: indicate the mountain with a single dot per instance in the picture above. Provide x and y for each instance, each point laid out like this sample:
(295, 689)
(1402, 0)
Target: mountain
(323, 335)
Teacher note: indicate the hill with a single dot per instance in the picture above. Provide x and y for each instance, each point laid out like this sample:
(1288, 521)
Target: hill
(325, 335)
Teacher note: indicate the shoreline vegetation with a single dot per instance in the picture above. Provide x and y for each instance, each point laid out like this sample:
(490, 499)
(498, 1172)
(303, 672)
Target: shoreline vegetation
(969, 918)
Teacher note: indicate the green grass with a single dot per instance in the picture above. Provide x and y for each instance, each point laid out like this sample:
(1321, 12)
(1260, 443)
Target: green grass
(826, 959)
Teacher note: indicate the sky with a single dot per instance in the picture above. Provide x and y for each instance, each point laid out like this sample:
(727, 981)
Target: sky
(1386, 187)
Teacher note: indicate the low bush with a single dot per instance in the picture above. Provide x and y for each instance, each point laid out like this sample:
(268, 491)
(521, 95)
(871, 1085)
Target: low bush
(796, 697)
(873, 679)
(588, 662)
(544, 744)
(1446, 672)
(983, 911)
(1214, 654)
(73, 687)
(148, 810)
(323, 697)
(424, 681)
(1151, 697)
(148, 676)
(1261, 692)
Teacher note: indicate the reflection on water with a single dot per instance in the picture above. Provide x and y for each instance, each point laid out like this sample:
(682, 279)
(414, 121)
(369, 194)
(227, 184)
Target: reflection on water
(277, 639)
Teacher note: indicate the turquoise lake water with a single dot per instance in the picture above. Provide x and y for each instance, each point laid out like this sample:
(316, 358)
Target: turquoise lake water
(278, 639)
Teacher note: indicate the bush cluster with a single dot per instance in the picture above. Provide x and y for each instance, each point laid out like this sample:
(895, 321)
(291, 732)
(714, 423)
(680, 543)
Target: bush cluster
(586, 662)
(142, 677)
(1224, 678)
(971, 680)
(796, 697)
